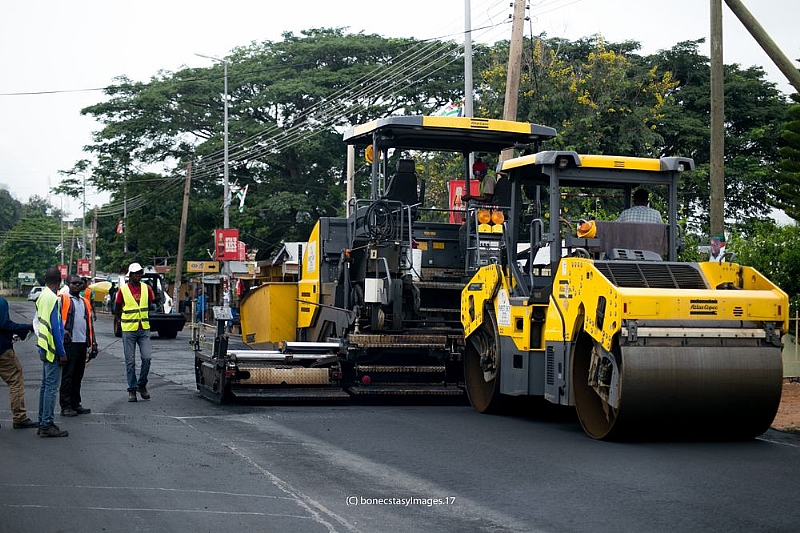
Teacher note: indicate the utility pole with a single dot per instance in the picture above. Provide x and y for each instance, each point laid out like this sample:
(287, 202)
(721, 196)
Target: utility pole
(94, 244)
(514, 69)
(83, 233)
(71, 251)
(182, 235)
(125, 217)
(767, 44)
(62, 230)
(717, 171)
(468, 107)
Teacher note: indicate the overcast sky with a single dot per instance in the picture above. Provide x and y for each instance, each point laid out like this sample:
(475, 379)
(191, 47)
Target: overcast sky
(80, 45)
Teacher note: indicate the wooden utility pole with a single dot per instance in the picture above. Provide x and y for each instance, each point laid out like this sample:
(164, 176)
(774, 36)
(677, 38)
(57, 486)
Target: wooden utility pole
(182, 236)
(94, 244)
(762, 38)
(71, 251)
(717, 172)
(514, 69)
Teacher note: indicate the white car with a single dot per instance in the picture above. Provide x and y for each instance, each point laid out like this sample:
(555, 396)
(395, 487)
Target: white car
(35, 292)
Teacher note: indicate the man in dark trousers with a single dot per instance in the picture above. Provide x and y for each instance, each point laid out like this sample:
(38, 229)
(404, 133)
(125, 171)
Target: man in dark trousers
(79, 341)
(10, 367)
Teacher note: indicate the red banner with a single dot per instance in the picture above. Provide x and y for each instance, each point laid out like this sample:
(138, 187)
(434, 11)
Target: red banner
(63, 270)
(84, 267)
(455, 189)
(242, 252)
(226, 244)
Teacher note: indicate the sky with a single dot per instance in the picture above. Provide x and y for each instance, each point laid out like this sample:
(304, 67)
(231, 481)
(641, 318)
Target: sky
(67, 50)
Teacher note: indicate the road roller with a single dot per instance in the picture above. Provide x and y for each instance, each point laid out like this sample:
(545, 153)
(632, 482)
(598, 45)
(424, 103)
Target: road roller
(582, 310)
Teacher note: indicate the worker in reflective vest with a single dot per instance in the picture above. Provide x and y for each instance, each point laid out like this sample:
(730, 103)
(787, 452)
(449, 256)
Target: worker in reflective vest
(132, 305)
(50, 340)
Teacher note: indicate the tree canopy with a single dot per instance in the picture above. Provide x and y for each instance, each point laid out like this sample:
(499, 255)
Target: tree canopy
(290, 100)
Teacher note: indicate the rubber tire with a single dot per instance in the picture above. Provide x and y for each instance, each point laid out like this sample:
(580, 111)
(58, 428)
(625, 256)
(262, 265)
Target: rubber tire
(485, 397)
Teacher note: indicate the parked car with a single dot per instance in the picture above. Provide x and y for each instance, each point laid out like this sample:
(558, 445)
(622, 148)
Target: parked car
(34, 293)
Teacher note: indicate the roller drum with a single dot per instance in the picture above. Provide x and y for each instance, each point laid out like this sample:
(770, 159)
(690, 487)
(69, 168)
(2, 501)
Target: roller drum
(714, 392)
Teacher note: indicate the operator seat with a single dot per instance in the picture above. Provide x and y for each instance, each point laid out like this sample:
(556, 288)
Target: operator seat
(403, 184)
(502, 192)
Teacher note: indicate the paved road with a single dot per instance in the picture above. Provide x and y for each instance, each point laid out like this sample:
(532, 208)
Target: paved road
(179, 463)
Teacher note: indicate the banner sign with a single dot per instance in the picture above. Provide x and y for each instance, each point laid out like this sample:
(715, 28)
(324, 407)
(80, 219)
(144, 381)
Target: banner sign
(226, 247)
(455, 190)
(84, 267)
(63, 270)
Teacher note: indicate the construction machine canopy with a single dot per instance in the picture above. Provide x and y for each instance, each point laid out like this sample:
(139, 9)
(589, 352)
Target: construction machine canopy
(553, 171)
(447, 134)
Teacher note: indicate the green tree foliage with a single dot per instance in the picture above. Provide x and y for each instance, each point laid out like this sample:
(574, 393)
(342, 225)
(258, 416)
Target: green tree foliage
(30, 246)
(10, 210)
(290, 100)
(772, 250)
(288, 103)
(787, 194)
(753, 111)
(596, 96)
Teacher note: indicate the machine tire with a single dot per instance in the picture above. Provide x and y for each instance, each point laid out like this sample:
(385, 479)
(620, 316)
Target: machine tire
(484, 396)
(167, 333)
(596, 417)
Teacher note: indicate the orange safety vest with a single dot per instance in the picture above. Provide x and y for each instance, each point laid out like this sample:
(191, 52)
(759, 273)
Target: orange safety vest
(66, 305)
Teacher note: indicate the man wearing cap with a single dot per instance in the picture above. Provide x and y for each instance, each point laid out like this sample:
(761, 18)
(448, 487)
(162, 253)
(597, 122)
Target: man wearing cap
(131, 308)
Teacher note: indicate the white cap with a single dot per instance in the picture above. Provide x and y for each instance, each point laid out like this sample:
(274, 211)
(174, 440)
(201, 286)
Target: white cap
(135, 267)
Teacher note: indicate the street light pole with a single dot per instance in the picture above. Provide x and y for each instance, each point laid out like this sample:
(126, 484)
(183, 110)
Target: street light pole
(226, 184)
(225, 181)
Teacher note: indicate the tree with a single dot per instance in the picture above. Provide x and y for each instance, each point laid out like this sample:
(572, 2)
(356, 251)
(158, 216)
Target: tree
(772, 250)
(787, 190)
(753, 106)
(595, 95)
(30, 246)
(10, 210)
(289, 101)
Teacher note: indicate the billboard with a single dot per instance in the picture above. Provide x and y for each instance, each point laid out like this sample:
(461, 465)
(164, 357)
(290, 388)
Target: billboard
(226, 244)
(455, 189)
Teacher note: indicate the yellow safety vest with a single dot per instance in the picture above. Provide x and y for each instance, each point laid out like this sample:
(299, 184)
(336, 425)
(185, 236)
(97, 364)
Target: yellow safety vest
(44, 308)
(133, 312)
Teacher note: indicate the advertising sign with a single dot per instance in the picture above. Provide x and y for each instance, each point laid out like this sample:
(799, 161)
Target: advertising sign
(84, 267)
(63, 270)
(26, 277)
(202, 266)
(455, 190)
(226, 244)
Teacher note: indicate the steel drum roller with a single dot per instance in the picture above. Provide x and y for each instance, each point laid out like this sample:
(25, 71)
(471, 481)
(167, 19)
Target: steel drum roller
(718, 392)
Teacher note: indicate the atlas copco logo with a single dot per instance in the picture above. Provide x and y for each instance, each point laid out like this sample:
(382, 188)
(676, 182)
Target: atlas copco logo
(703, 307)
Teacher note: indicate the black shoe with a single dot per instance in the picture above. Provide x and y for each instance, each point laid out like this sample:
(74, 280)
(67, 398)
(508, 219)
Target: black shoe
(131, 395)
(69, 411)
(25, 424)
(53, 431)
(143, 392)
(81, 410)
